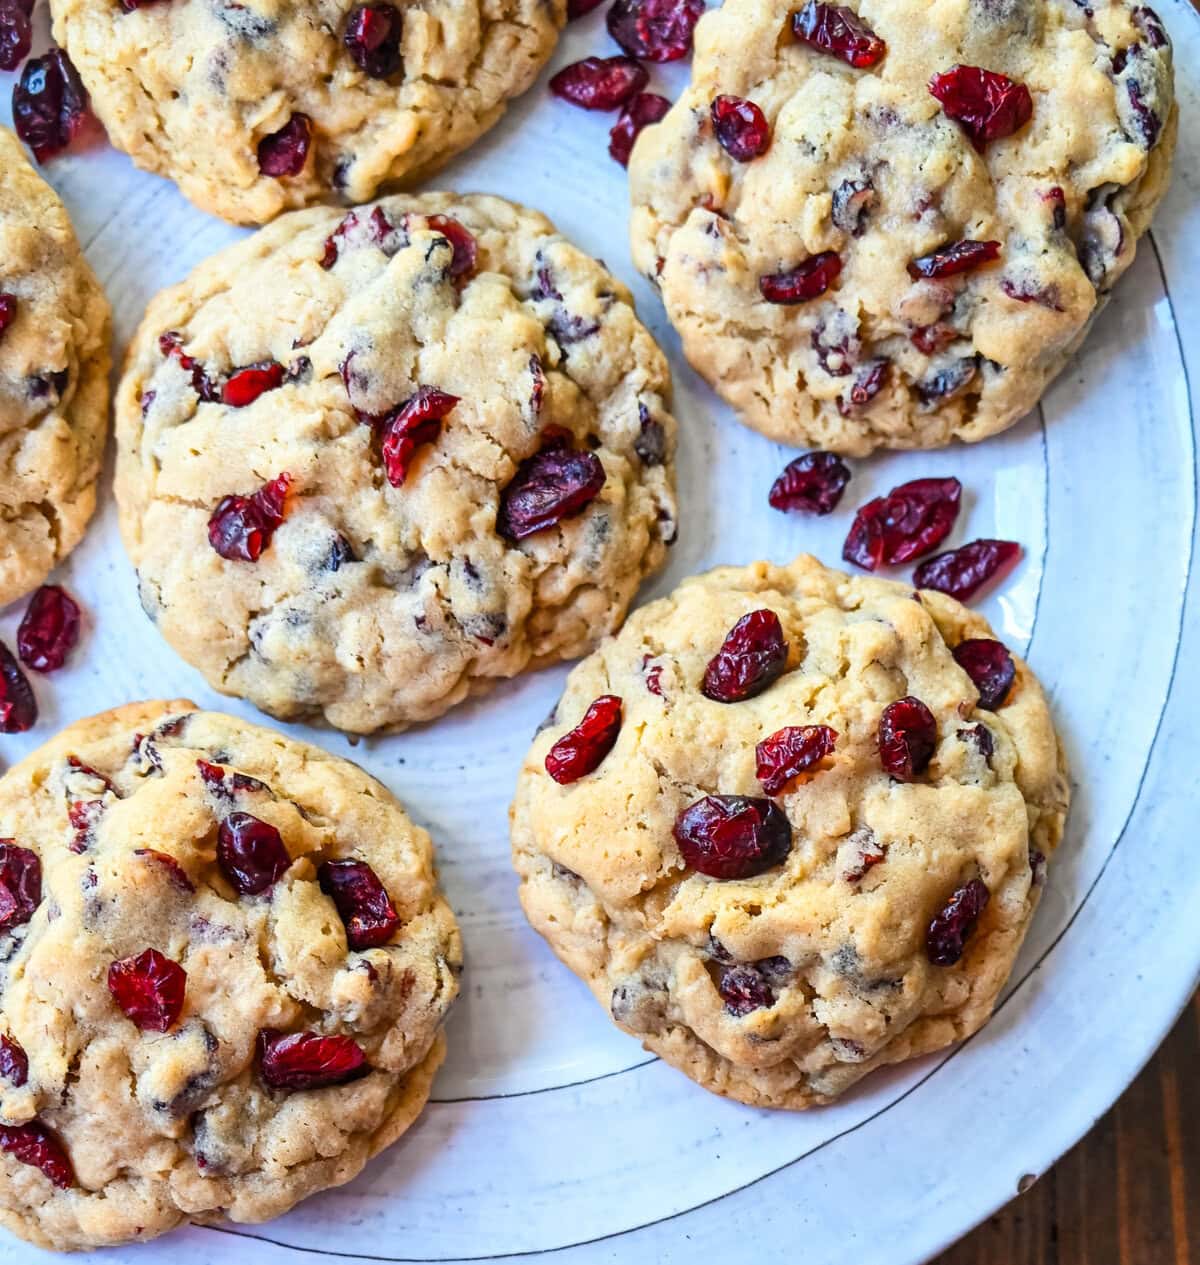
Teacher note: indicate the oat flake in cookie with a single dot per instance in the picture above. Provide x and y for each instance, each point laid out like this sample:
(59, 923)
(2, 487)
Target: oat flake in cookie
(372, 462)
(55, 327)
(258, 107)
(817, 841)
(945, 198)
(224, 967)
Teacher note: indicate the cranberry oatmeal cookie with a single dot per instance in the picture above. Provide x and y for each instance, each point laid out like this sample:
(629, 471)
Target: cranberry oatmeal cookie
(371, 463)
(260, 107)
(891, 226)
(225, 967)
(55, 327)
(791, 825)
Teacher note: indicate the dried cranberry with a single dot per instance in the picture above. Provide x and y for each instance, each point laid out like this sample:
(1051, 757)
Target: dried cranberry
(463, 245)
(813, 483)
(987, 104)
(16, 34)
(947, 380)
(49, 104)
(149, 988)
(740, 127)
(84, 816)
(372, 39)
(538, 376)
(870, 852)
(307, 1060)
(362, 902)
(639, 112)
(651, 443)
(808, 280)
(907, 738)
(980, 736)
(1151, 27)
(752, 657)
(744, 990)
(837, 30)
(555, 483)
(600, 83)
(851, 204)
(14, 1062)
(241, 527)
(1057, 201)
(8, 311)
(949, 928)
(990, 667)
(932, 339)
(35, 1145)
(733, 836)
(49, 630)
(910, 521)
(417, 421)
(654, 30)
(790, 751)
(251, 853)
(580, 752)
(375, 230)
(652, 670)
(957, 257)
(1028, 292)
(167, 863)
(868, 382)
(964, 571)
(171, 345)
(1149, 124)
(18, 707)
(285, 152)
(246, 385)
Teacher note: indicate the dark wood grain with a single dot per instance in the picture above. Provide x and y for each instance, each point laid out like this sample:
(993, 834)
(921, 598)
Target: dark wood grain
(1129, 1193)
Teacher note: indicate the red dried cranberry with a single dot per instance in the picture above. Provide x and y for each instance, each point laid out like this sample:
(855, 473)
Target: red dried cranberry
(581, 751)
(1028, 292)
(744, 990)
(212, 775)
(84, 816)
(957, 257)
(868, 382)
(49, 104)
(285, 152)
(870, 853)
(49, 630)
(241, 527)
(752, 657)
(307, 1060)
(949, 928)
(18, 707)
(577, 8)
(14, 1062)
(1151, 27)
(931, 339)
(907, 738)
(910, 521)
(538, 376)
(600, 83)
(733, 836)
(8, 311)
(654, 30)
(813, 483)
(1057, 201)
(462, 243)
(362, 902)
(980, 736)
(639, 112)
(652, 670)
(251, 853)
(16, 33)
(149, 988)
(246, 385)
(553, 484)
(372, 39)
(837, 30)
(417, 421)
(964, 571)
(171, 345)
(987, 104)
(167, 863)
(740, 127)
(35, 1145)
(990, 667)
(808, 280)
(790, 751)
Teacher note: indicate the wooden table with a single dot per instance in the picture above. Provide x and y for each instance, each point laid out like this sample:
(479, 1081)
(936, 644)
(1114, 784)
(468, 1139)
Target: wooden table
(1129, 1193)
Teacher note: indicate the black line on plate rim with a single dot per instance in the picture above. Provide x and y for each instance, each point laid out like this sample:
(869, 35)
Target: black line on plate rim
(951, 1053)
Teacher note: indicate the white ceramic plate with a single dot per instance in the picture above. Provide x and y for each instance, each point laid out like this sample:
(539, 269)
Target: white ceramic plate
(551, 1134)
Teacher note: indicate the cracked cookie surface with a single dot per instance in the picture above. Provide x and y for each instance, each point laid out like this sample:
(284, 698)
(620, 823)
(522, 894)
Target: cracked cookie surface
(785, 983)
(124, 814)
(193, 88)
(867, 164)
(375, 604)
(55, 327)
